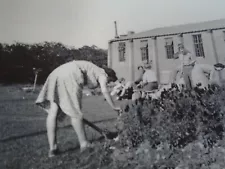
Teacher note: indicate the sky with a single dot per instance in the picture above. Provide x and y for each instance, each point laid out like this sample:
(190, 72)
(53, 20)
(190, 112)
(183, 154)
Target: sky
(91, 22)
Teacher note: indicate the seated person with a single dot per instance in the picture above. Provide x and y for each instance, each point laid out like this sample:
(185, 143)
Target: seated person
(149, 79)
(119, 85)
(127, 91)
(141, 72)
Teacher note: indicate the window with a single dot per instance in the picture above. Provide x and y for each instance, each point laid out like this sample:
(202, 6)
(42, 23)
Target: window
(122, 49)
(198, 44)
(144, 50)
(169, 48)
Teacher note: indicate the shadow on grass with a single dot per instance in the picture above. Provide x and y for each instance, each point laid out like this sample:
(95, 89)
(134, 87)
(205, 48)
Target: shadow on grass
(44, 132)
(73, 149)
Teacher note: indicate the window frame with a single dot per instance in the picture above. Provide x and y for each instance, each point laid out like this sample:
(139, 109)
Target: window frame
(122, 51)
(169, 48)
(144, 50)
(198, 45)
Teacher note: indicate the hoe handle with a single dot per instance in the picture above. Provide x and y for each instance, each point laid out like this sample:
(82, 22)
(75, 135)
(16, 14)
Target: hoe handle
(93, 126)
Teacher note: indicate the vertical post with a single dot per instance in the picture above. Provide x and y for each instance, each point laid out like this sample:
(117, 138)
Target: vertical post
(109, 58)
(210, 31)
(131, 59)
(155, 58)
(213, 45)
(35, 80)
(36, 71)
(181, 39)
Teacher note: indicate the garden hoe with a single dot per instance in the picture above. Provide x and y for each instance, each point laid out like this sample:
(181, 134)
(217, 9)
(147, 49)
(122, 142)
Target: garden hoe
(107, 135)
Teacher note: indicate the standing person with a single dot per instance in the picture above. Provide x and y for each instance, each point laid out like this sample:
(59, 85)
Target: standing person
(63, 91)
(187, 63)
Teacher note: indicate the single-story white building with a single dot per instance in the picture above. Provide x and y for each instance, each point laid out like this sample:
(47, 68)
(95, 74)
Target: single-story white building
(205, 40)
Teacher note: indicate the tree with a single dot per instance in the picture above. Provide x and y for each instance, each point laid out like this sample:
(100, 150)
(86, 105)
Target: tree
(17, 60)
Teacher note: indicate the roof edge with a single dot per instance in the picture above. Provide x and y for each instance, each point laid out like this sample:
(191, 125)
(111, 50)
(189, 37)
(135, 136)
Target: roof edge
(162, 35)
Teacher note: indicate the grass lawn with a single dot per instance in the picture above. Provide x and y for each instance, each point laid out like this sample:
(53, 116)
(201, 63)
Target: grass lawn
(23, 141)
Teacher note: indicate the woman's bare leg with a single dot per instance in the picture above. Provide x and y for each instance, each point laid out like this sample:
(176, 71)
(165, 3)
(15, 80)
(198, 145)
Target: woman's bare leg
(78, 126)
(51, 126)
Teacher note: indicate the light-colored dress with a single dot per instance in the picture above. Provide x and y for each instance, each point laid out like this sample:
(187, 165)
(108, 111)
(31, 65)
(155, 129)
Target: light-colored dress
(199, 75)
(64, 86)
(218, 77)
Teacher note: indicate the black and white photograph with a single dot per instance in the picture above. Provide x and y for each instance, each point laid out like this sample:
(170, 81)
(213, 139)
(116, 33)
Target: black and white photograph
(112, 84)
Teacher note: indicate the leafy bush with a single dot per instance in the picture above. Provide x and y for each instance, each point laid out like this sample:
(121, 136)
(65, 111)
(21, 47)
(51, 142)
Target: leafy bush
(182, 129)
(177, 118)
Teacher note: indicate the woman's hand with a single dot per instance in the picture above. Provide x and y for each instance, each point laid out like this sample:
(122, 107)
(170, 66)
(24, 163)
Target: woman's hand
(118, 109)
(138, 85)
(107, 96)
(142, 84)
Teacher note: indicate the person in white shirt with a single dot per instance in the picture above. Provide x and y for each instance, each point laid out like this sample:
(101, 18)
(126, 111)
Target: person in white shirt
(141, 72)
(149, 81)
(187, 63)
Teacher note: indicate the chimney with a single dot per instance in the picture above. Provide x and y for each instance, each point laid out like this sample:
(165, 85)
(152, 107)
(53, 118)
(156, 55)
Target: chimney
(116, 33)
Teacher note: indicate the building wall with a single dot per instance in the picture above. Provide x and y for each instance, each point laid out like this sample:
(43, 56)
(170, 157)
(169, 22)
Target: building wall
(122, 69)
(220, 44)
(137, 56)
(166, 65)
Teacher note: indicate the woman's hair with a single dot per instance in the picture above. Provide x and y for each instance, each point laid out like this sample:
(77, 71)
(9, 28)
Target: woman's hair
(140, 67)
(148, 65)
(111, 74)
(121, 79)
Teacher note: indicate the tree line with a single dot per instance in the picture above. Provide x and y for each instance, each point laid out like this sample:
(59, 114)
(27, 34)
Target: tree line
(18, 60)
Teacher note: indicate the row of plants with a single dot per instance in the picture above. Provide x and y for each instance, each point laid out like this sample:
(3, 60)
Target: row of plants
(181, 130)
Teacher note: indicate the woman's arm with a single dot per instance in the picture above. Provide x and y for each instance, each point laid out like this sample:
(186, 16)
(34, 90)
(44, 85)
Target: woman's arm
(105, 92)
(117, 86)
(123, 91)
